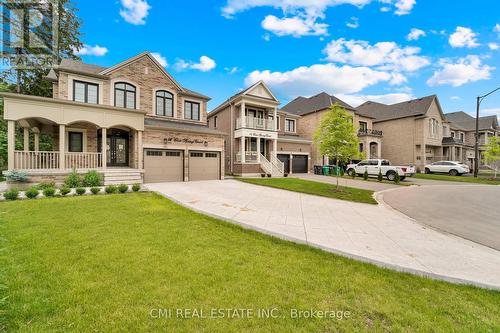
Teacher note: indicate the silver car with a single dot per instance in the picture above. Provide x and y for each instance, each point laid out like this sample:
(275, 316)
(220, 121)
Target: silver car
(449, 167)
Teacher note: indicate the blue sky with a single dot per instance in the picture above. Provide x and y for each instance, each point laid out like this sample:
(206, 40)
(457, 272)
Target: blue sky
(382, 50)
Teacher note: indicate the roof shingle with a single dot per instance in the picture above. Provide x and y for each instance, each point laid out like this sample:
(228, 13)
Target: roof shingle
(382, 112)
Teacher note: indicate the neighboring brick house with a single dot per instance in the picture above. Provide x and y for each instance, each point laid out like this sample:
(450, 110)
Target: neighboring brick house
(460, 141)
(131, 121)
(260, 138)
(312, 109)
(413, 130)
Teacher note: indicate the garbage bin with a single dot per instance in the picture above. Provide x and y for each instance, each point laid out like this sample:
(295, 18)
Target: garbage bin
(317, 170)
(326, 170)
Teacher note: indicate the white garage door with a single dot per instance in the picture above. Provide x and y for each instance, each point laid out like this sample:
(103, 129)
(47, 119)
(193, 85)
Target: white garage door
(163, 166)
(204, 165)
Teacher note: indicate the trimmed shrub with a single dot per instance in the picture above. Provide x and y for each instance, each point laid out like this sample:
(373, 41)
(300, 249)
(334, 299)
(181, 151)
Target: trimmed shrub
(365, 175)
(11, 194)
(110, 189)
(42, 186)
(80, 190)
(32, 193)
(123, 188)
(397, 178)
(92, 179)
(353, 173)
(49, 192)
(16, 176)
(136, 187)
(95, 190)
(65, 190)
(380, 178)
(73, 180)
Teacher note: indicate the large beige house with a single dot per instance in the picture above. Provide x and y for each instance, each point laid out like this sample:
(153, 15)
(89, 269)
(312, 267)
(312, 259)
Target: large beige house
(132, 122)
(312, 109)
(260, 138)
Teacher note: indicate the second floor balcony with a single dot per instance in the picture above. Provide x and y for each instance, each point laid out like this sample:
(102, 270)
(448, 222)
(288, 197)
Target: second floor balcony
(255, 123)
(369, 132)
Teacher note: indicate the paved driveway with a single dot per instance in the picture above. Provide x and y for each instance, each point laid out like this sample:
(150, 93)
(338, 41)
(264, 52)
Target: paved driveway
(470, 211)
(370, 233)
(366, 185)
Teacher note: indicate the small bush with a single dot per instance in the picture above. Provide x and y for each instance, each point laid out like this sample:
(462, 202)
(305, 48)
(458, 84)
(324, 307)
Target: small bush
(65, 190)
(365, 175)
(42, 186)
(73, 180)
(380, 178)
(95, 190)
(123, 188)
(80, 190)
(397, 178)
(136, 187)
(110, 189)
(49, 192)
(16, 176)
(11, 194)
(353, 173)
(32, 193)
(92, 179)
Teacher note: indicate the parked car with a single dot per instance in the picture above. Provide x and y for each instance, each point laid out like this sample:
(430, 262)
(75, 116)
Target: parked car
(449, 167)
(374, 166)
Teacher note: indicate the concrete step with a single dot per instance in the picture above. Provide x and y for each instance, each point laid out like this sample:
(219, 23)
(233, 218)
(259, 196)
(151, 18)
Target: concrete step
(122, 176)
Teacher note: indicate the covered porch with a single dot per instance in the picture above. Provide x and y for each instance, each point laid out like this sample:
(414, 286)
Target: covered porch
(258, 151)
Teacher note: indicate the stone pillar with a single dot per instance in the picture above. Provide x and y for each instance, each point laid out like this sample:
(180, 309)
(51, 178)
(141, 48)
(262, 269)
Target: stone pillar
(11, 143)
(452, 153)
(258, 150)
(275, 119)
(26, 137)
(62, 146)
(275, 148)
(104, 147)
(290, 164)
(36, 134)
(243, 118)
(379, 150)
(242, 149)
(140, 151)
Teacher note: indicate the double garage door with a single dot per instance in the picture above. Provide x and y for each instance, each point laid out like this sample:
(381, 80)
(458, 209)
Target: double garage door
(168, 165)
(299, 163)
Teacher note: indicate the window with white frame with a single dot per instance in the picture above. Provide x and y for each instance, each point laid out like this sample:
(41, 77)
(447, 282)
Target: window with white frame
(85, 92)
(433, 128)
(290, 125)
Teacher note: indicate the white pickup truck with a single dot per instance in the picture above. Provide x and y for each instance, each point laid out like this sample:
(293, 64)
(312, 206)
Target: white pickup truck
(373, 166)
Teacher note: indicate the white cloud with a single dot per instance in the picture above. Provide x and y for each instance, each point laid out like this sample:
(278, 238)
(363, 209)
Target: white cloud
(161, 59)
(266, 37)
(308, 80)
(135, 11)
(206, 64)
(463, 37)
(415, 34)
(404, 7)
(496, 28)
(493, 46)
(295, 26)
(385, 55)
(354, 23)
(356, 100)
(232, 70)
(455, 98)
(467, 69)
(89, 50)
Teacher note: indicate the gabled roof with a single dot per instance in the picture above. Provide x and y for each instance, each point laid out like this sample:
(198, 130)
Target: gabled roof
(412, 108)
(466, 122)
(78, 66)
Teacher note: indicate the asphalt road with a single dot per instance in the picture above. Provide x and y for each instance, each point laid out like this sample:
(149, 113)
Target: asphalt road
(468, 211)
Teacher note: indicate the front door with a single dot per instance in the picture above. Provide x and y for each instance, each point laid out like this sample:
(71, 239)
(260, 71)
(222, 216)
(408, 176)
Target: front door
(117, 143)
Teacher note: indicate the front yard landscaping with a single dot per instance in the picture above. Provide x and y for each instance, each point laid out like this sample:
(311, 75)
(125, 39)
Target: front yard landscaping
(482, 179)
(315, 188)
(108, 263)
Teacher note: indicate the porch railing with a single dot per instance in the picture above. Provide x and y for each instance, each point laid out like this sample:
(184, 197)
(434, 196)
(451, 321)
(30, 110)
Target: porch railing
(256, 123)
(250, 156)
(48, 160)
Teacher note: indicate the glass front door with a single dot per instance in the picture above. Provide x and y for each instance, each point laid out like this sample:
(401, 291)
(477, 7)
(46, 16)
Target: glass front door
(117, 143)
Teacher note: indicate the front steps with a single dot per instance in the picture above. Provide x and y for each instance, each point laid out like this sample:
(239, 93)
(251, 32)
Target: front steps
(122, 176)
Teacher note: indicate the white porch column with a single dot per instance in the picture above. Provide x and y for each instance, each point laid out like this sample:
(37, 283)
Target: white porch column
(242, 149)
(26, 137)
(36, 137)
(243, 118)
(258, 150)
(62, 146)
(290, 164)
(139, 148)
(275, 148)
(104, 147)
(11, 143)
(275, 119)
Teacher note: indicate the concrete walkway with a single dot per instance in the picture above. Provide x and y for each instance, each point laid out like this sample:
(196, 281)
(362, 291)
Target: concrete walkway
(363, 184)
(371, 233)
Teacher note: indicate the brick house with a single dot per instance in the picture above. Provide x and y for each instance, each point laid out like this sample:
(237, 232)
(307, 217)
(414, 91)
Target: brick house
(131, 122)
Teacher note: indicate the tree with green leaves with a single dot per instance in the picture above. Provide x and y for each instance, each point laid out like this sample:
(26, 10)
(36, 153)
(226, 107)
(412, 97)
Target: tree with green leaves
(336, 136)
(492, 153)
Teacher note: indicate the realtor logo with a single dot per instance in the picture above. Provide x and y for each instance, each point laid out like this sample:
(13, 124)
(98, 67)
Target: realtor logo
(30, 34)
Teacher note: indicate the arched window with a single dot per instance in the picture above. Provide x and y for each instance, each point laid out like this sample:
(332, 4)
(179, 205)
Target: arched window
(125, 95)
(164, 103)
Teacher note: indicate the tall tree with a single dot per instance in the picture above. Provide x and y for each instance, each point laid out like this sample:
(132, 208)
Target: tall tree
(336, 136)
(492, 154)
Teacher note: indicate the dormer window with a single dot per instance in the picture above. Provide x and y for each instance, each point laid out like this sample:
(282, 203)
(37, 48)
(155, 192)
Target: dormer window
(85, 92)
(125, 95)
(164, 103)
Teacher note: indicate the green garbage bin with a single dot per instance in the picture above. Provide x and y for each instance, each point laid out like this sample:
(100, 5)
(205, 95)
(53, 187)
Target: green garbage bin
(336, 171)
(326, 170)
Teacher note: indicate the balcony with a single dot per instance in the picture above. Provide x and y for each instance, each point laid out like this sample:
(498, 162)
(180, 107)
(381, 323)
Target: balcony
(369, 132)
(256, 123)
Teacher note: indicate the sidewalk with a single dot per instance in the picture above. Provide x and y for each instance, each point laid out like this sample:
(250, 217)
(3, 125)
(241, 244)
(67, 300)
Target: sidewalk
(371, 233)
(356, 183)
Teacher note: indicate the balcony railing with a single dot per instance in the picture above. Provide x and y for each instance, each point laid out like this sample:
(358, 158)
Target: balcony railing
(256, 123)
(372, 132)
(48, 160)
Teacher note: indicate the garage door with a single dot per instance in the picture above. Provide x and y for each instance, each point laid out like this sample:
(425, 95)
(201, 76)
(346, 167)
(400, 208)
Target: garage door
(286, 161)
(163, 166)
(204, 165)
(299, 164)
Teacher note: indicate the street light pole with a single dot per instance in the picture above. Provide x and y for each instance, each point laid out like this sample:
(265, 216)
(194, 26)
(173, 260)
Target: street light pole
(476, 147)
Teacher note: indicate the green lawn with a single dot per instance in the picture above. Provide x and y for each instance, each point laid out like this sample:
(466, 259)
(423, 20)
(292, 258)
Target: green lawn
(315, 188)
(102, 263)
(464, 179)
